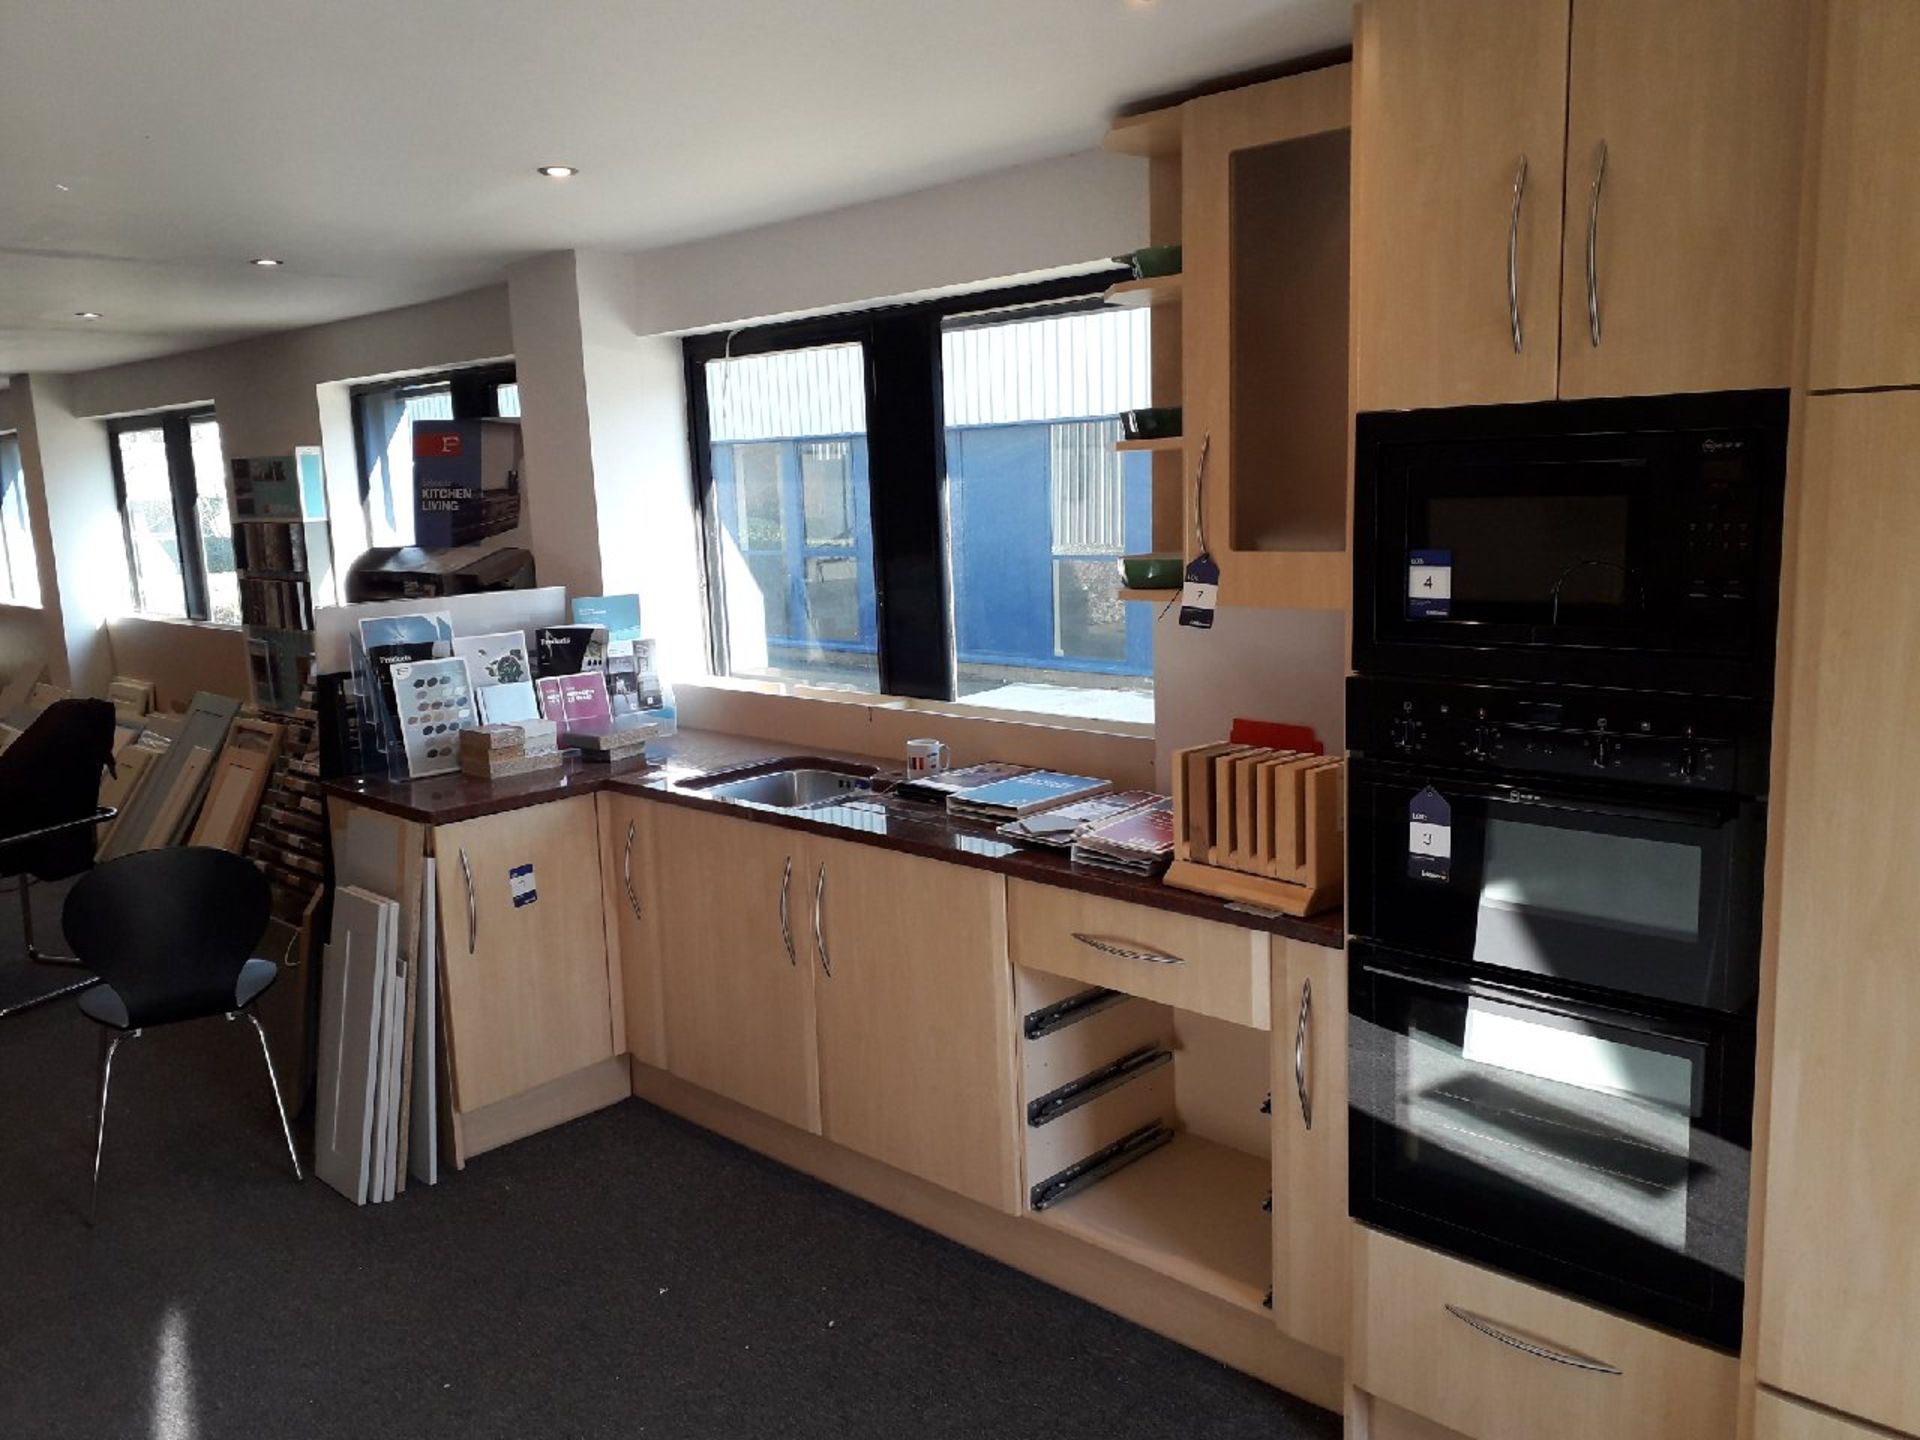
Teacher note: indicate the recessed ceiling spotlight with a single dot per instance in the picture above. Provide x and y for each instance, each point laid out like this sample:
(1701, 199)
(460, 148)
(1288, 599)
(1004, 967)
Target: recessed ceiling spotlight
(267, 262)
(559, 172)
(86, 314)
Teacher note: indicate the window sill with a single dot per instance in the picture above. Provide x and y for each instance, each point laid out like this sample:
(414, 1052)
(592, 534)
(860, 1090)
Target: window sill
(958, 709)
(25, 607)
(184, 623)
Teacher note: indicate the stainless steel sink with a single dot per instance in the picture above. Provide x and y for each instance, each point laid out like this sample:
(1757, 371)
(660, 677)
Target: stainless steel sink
(791, 789)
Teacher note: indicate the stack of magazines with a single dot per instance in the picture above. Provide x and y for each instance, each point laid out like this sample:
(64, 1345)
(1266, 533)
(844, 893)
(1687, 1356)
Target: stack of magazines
(937, 787)
(1022, 795)
(1139, 842)
(1061, 826)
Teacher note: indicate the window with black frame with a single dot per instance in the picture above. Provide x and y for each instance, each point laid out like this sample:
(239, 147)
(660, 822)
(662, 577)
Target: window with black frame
(169, 472)
(926, 500)
(383, 417)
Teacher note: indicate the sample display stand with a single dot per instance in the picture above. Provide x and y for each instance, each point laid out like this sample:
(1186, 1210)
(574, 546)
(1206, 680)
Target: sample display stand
(1259, 826)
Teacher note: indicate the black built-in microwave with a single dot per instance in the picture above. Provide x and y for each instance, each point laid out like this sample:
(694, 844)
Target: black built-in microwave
(1630, 543)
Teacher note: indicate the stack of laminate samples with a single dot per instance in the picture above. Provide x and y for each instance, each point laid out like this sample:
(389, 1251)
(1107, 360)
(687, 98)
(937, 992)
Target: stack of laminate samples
(493, 752)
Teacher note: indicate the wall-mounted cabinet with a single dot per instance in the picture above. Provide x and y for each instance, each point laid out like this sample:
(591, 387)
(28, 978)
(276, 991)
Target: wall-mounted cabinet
(1258, 189)
(1574, 198)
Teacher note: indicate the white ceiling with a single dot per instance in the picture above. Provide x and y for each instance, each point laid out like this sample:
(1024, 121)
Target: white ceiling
(385, 149)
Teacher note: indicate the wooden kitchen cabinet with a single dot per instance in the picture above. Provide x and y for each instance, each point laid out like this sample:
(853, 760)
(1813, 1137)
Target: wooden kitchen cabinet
(1777, 1418)
(737, 985)
(1264, 187)
(1840, 1274)
(1451, 101)
(1698, 108)
(1864, 330)
(1311, 1276)
(914, 1005)
(528, 992)
(633, 908)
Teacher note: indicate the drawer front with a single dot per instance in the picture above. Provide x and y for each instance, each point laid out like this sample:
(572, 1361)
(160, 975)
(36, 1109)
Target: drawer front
(1198, 965)
(1496, 1359)
(1777, 1418)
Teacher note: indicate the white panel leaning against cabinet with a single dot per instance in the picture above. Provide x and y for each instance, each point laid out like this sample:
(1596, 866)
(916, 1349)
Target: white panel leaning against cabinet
(352, 1002)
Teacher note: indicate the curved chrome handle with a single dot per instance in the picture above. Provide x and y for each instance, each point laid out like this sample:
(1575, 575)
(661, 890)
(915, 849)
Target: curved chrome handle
(1593, 248)
(819, 939)
(1200, 493)
(1128, 952)
(1300, 1053)
(786, 927)
(473, 911)
(1530, 1347)
(626, 872)
(1513, 255)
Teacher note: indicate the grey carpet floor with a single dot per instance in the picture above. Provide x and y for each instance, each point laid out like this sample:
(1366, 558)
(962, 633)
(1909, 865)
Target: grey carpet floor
(625, 1275)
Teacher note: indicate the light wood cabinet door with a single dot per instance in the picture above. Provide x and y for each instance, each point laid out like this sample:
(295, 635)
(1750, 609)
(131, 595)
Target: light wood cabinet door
(1312, 1281)
(1697, 111)
(524, 952)
(1840, 1275)
(915, 1013)
(1472, 1350)
(1865, 327)
(1777, 1418)
(737, 991)
(1450, 101)
(632, 892)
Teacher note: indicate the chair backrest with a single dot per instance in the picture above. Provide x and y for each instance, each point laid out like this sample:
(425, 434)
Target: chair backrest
(169, 929)
(51, 774)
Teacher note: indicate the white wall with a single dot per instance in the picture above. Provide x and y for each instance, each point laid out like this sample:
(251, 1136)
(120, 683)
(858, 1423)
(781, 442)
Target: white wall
(1029, 220)
(560, 517)
(76, 519)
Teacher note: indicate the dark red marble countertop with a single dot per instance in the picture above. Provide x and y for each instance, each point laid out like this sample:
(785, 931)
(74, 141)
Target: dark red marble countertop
(890, 822)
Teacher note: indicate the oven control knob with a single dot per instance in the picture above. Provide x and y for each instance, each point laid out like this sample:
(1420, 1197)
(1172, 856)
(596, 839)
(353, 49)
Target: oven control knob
(1404, 733)
(1692, 763)
(1485, 743)
(1606, 750)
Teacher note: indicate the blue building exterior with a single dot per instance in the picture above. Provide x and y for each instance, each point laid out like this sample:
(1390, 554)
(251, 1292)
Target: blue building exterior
(1035, 536)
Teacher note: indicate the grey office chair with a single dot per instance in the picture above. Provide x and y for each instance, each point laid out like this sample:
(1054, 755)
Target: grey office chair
(171, 933)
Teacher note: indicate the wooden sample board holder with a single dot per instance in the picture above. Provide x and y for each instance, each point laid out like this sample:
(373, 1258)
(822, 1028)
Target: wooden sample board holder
(1259, 826)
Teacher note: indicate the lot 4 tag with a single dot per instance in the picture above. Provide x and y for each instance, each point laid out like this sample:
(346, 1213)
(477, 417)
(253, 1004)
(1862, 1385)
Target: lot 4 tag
(1430, 837)
(1429, 584)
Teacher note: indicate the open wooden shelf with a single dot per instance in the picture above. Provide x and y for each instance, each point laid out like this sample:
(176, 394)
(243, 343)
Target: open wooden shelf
(1154, 290)
(1155, 133)
(1161, 442)
(1172, 592)
(1191, 1211)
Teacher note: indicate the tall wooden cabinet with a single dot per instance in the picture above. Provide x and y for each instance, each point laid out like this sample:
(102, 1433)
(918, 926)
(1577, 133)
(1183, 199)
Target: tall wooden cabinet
(1840, 1274)
(523, 948)
(1865, 314)
(1659, 202)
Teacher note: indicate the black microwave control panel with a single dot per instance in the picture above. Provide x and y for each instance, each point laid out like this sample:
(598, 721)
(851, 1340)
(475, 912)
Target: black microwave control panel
(1603, 734)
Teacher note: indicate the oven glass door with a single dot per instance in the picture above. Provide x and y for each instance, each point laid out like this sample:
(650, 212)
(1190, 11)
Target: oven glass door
(1650, 896)
(1603, 1150)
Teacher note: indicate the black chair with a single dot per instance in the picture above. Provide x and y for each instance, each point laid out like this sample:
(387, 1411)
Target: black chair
(171, 934)
(49, 804)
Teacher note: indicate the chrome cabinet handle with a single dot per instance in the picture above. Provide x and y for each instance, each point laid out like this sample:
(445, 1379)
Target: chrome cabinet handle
(1593, 248)
(786, 928)
(1530, 1347)
(1200, 493)
(1300, 1054)
(1128, 952)
(473, 911)
(820, 939)
(1513, 255)
(626, 872)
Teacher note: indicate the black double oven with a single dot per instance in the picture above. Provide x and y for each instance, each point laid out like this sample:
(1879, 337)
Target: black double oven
(1558, 728)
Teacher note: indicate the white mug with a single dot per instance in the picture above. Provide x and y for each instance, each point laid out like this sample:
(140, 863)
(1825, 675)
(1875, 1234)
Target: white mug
(927, 757)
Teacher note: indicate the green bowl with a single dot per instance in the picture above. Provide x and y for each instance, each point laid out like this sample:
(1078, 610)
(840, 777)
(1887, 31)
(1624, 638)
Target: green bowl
(1153, 261)
(1151, 572)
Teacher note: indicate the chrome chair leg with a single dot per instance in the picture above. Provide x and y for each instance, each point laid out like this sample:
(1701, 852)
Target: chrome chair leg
(109, 1042)
(278, 1104)
(34, 952)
